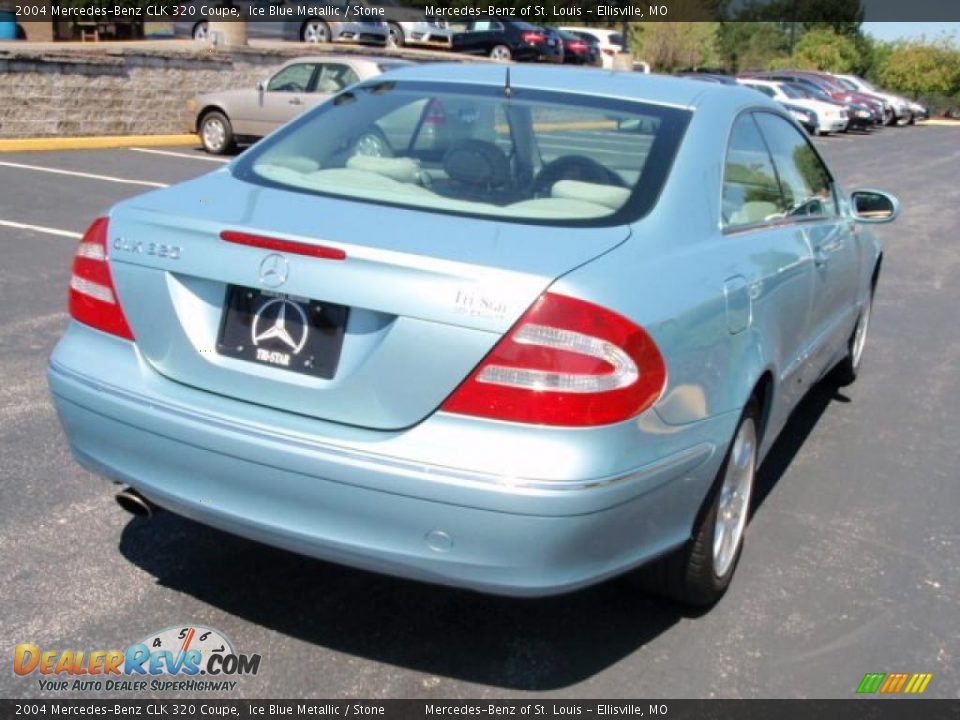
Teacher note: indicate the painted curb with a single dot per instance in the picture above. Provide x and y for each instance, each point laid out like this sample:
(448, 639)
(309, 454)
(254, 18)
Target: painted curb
(93, 143)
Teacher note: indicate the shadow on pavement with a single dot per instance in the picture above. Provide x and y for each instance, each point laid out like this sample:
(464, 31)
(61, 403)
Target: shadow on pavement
(539, 644)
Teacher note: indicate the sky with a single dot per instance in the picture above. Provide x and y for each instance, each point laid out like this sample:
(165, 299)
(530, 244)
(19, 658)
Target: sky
(897, 30)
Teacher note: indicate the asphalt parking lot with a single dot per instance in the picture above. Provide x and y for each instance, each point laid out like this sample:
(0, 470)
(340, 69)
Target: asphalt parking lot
(852, 562)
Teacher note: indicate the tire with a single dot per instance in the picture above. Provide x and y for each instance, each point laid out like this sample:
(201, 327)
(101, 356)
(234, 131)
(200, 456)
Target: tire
(501, 53)
(395, 38)
(216, 133)
(201, 31)
(315, 31)
(699, 574)
(849, 368)
(912, 119)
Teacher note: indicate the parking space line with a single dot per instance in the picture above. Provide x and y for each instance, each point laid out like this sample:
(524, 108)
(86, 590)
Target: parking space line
(41, 229)
(74, 173)
(193, 156)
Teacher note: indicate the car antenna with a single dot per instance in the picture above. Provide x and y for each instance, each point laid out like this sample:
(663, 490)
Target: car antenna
(507, 90)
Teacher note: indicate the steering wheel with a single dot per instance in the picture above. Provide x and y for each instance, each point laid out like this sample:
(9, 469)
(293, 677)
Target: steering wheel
(288, 87)
(574, 167)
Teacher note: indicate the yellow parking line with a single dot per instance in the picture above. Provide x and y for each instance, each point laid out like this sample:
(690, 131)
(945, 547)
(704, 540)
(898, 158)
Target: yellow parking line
(92, 143)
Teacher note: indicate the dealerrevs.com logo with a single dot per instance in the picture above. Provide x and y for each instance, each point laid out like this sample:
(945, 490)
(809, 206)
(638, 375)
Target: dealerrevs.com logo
(186, 658)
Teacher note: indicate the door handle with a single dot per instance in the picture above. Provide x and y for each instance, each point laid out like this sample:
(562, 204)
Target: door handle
(296, 101)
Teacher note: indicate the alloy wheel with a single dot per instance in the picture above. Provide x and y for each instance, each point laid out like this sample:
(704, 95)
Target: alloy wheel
(734, 502)
(214, 134)
(316, 32)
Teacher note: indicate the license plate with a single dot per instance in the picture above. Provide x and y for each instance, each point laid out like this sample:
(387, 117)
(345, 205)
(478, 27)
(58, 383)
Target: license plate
(282, 331)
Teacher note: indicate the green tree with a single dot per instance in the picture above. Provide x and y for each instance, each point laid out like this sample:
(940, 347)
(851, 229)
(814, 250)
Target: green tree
(823, 48)
(922, 67)
(750, 45)
(671, 46)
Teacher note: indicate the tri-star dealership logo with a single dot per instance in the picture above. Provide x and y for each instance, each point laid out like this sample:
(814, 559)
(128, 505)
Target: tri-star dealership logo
(898, 683)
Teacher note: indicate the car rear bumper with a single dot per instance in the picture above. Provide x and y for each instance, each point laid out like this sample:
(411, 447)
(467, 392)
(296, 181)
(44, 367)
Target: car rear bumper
(178, 447)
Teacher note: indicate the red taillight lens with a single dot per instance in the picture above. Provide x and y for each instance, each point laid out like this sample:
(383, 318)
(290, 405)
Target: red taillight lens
(435, 114)
(608, 51)
(566, 362)
(577, 46)
(534, 38)
(93, 297)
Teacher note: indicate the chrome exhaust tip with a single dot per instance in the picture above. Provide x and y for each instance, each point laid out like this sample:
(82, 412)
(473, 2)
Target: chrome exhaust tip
(134, 503)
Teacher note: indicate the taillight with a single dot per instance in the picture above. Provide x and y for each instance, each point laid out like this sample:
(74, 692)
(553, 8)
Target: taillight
(93, 297)
(435, 114)
(608, 51)
(578, 46)
(566, 362)
(534, 38)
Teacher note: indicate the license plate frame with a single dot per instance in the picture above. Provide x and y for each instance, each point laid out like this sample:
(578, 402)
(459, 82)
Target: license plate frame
(295, 334)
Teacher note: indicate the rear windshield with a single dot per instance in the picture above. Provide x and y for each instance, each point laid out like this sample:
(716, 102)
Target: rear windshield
(524, 155)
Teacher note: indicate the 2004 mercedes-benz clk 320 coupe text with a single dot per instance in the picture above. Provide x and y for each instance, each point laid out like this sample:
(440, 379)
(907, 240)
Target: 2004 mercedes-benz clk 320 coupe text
(512, 334)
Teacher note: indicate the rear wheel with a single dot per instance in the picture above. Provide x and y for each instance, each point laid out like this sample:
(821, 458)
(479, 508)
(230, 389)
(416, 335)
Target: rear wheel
(700, 573)
(396, 37)
(849, 367)
(216, 133)
(500, 53)
(201, 31)
(315, 31)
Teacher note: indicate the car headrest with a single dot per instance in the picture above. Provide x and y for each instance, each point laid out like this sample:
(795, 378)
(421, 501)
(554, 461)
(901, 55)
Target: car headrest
(609, 196)
(399, 169)
(478, 163)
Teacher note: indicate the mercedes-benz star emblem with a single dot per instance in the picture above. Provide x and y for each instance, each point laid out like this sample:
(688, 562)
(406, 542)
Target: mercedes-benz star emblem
(274, 315)
(274, 270)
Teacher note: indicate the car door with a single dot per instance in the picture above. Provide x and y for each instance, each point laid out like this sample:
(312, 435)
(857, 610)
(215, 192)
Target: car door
(813, 205)
(479, 37)
(767, 264)
(287, 95)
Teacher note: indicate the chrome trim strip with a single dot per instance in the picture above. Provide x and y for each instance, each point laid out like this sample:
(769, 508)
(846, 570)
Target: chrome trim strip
(687, 459)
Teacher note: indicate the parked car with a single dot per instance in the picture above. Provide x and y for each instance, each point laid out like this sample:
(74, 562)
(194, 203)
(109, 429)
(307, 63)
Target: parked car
(506, 40)
(492, 368)
(805, 116)
(831, 117)
(577, 50)
(305, 27)
(609, 42)
(860, 117)
(436, 33)
(881, 111)
(225, 118)
(905, 111)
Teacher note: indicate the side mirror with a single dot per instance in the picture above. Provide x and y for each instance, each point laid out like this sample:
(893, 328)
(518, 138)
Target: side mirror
(874, 206)
(262, 86)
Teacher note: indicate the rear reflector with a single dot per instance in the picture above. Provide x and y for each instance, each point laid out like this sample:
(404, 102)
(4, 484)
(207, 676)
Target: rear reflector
(93, 297)
(566, 362)
(288, 246)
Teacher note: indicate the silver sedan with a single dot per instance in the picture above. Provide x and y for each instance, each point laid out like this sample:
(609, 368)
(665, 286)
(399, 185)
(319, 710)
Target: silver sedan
(228, 117)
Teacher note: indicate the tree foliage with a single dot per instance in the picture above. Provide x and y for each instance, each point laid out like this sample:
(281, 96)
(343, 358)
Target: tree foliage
(921, 67)
(823, 48)
(670, 46)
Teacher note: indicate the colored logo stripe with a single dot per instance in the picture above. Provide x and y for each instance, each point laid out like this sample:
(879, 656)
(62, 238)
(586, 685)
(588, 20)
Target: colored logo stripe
(870, 683)
(894, 683)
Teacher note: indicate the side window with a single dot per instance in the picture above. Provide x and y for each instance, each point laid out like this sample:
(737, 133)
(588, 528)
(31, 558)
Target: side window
(334, 77)
(807, 185)
(765, 89)
(293, 78)
(751, 193)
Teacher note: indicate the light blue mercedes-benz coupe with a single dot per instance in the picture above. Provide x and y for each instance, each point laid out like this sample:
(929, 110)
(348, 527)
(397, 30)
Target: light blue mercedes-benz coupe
(512, 329)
